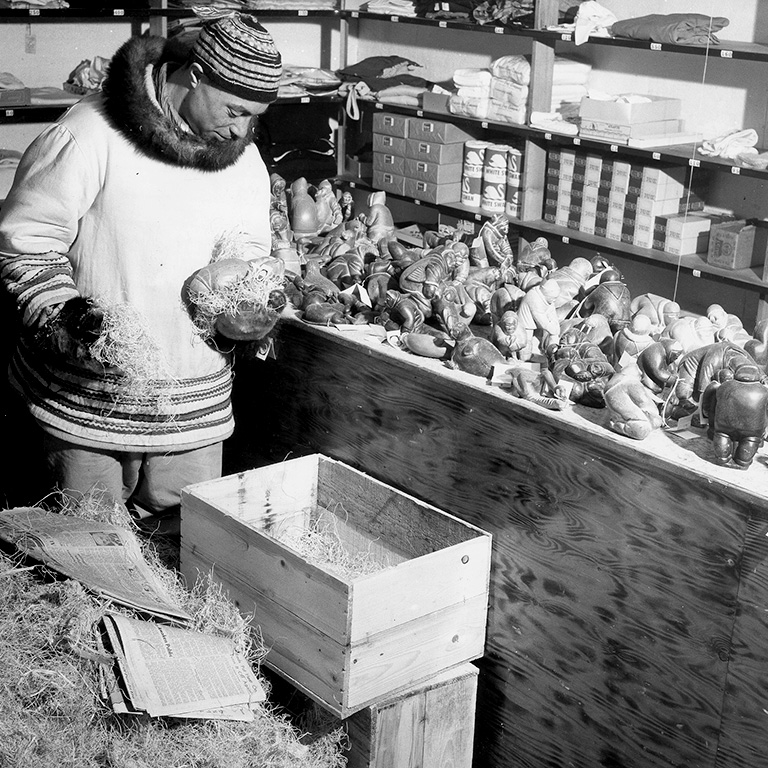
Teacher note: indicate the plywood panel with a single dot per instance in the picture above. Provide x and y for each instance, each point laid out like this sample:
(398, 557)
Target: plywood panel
(614, 580)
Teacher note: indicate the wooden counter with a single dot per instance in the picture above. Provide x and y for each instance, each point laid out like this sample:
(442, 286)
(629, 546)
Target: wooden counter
(628, 622)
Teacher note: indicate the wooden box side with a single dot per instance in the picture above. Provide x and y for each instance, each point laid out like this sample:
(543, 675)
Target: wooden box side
(411, 653)
(420, 587)
(239, 553)
(410, 526)
(297, 651)
(431, 726)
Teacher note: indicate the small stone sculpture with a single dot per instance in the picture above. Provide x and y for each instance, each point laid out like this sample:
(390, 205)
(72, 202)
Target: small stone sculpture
(540, 388)
(631, 409)
(736, 404)
(473, 354)
(510, 338)
(538, 314)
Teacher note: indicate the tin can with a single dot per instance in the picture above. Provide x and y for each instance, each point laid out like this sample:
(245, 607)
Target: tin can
(514, 180)
(472, 172)
(494, 178)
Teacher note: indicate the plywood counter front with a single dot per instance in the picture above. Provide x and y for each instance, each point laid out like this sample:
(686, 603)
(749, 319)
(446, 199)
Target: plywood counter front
(627, 622)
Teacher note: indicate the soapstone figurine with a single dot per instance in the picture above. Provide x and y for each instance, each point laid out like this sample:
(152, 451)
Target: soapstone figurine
(400, 312)
(697, 368)
(737, 408)
(658, 364)
(610, 298)
(539, 387)
(473, 354)
(480, 284)
(727, 326)
(423, 278)
(691, 331)
(757, 346)
(329, 214)
(538, 314)
(630, 341)
(303, 210)
(659, 310)
(534, 255)
(379, 222)
(505, 298)
(572, 278)
(510, 338)
(493, 247)
(631, 409)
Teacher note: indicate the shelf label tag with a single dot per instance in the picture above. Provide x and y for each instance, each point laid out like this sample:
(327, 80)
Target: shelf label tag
(443, 24)
(726, 54)
(576, 140)
(498, 30)
(694, 163)
(656, 155)
(655, 46)
(567, 37)
(419, 113)
(355, 14)
(696, 272)
(478, 217)
(736, 170)
(394, 18)
(353, 184)
(614, 147)
(566, 239)
(484, 124)
(304, 100)
(379, 105)
(548, 136)
(34, 11)
(118, 12)
(303, 13)
(9, 113)
(416, 202)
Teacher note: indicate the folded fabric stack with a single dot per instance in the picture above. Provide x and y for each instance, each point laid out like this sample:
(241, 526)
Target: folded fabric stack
(569, 85)
(390, 7)
(34, 4)
(458, 10)
(489, 94)
(675, 28)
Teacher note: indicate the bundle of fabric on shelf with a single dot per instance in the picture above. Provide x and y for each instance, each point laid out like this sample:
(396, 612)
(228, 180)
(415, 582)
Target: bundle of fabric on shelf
(488, 94)
(406, 8)
(676, 28)
(456, 10)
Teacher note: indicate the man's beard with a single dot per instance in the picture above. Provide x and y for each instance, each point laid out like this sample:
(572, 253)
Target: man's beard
(215, 155)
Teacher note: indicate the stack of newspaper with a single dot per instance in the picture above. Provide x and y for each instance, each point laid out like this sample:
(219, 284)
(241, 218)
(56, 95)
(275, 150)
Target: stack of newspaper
(147, 666)
(173, 672)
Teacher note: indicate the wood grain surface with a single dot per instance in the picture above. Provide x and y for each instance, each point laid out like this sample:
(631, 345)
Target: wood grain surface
(627, 618)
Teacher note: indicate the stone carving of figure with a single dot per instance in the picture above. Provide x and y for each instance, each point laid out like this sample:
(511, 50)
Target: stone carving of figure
(538, 313)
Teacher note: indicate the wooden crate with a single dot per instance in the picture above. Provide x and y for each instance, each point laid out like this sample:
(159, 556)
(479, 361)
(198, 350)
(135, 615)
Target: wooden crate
(345, 640)
(431, 726)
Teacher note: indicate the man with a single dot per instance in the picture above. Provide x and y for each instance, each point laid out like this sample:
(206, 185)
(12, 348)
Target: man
(120, 202)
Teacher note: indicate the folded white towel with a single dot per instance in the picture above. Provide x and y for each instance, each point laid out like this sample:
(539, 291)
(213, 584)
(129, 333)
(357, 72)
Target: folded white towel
(471, 77)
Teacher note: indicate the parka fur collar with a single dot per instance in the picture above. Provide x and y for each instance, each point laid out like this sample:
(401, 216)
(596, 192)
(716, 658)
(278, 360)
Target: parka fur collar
(135, 112)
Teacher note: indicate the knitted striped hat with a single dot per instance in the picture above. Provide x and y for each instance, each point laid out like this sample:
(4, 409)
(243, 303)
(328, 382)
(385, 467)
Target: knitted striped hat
(239, 56)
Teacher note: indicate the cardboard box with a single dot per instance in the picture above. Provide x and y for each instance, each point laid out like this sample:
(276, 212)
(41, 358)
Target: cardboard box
(383, 161)
(389, 182)
(390, 124)
(345, 640)
(619, 133)
(686, 234)
(434, 152)
(432, 193)
(737, 245)
(628, 113)
(392, 145)
(435, 102)
(434, 173)
(437, 131)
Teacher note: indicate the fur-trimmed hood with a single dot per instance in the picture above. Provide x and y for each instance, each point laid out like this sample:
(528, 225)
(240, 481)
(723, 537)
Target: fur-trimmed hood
(134, 111)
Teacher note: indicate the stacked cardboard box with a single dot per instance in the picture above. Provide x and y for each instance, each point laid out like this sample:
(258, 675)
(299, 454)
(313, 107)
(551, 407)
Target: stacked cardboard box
(650, 122)
(650, 206)
(418, 158)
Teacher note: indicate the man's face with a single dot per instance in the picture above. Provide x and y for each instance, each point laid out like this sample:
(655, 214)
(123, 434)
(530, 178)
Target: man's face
(218, 116)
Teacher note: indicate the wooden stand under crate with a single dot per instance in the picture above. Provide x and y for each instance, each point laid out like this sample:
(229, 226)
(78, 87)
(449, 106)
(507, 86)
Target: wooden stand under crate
(428, 727)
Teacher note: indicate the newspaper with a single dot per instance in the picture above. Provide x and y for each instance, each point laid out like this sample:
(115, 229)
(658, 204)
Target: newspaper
(171, 671)
(105, 558)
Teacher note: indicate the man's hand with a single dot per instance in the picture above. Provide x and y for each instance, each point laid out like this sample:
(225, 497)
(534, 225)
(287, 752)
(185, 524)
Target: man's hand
(45, 315)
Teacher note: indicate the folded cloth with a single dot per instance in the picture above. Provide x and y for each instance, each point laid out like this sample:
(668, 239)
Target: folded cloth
(680, 28)
(472, 77)
(507, 92)
(758, 161)
(553, 122)
(513, 67)
(592, 20)
(501, 112)
(469, 106)
(730, 144)
(475, 92)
